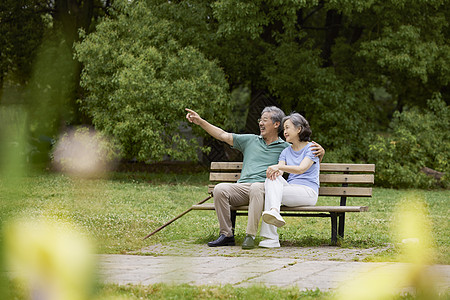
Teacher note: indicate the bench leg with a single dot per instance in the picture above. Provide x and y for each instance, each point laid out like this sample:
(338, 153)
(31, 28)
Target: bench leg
(333, 228)
(341, 225)
(342, 215)
(233, 219)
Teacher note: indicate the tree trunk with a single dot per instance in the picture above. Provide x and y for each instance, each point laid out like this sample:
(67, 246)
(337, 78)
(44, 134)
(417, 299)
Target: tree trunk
(332, 25)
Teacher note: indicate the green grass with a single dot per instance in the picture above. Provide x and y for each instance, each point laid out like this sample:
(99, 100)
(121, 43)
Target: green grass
(120, 211)
(184, 291)
(164, 291)
(117, 213)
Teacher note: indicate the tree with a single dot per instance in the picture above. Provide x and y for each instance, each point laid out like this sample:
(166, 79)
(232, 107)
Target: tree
(37, 69)
(21, 31)
(26, 24)
(347, 66)
(418, 147)
(139, 78)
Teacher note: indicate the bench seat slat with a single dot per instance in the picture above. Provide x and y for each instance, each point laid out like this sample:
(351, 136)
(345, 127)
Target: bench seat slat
(360, 168)
(335, 191)
(210, 206)
(323, 178)
(347, 178)
(324, 167)
(224, 177)
(225, 166)
(345, 191)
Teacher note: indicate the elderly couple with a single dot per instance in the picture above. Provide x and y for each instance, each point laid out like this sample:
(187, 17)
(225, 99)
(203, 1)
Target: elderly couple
(261, 185)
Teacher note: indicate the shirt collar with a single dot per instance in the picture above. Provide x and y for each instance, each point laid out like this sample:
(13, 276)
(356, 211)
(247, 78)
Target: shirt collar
(279, 140)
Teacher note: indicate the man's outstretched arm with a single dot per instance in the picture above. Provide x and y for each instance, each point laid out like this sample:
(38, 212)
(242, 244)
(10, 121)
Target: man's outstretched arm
(214, 131)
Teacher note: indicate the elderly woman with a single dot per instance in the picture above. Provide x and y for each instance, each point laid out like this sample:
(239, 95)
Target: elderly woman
(302, 186)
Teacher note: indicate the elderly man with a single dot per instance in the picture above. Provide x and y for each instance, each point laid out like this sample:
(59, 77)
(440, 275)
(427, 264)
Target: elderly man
(259, 153)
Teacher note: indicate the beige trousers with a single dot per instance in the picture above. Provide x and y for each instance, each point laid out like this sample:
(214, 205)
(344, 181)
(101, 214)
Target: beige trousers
(236, 194)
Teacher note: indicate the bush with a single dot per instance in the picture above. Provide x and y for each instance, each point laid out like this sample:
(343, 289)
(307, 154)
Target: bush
(344, 154)
(139, 77)
(418, 140)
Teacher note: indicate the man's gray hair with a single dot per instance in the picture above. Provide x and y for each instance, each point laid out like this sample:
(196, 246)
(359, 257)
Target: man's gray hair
(277, 115)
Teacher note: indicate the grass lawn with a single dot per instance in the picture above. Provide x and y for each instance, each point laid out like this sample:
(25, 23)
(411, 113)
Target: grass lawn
(184, 291)
(120, 211)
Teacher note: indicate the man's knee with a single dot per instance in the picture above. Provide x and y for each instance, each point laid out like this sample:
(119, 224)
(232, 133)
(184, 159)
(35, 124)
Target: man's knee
(220, 191)
(257, 187)
(257, 190)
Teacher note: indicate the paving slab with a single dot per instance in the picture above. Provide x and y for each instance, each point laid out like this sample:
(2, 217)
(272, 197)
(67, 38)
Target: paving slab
(250, 270)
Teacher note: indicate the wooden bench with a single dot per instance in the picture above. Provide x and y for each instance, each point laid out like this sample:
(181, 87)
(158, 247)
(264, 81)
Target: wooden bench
(336, 179)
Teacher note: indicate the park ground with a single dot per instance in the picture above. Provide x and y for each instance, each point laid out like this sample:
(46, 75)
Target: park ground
(119, 211)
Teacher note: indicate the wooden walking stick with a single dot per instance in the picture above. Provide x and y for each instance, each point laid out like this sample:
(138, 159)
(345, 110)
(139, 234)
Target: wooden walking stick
(177, 217)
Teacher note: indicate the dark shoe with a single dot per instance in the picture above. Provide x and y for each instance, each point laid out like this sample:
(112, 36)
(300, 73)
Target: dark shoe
(249, 242)
(222, 241)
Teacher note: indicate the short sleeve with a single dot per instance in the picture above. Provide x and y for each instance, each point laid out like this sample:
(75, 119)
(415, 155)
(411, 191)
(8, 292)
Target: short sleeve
(240, 141)
(237, 141)
(283, 155)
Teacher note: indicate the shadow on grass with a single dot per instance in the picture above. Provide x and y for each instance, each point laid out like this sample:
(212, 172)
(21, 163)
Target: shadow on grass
(304, 241)
(213, 234)
(210, 235)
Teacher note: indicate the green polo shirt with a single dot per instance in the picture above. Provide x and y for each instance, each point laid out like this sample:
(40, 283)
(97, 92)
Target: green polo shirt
(257, 155)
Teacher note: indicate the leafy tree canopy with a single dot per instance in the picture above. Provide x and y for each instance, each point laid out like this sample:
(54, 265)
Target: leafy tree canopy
(346, 65)
(139, 77)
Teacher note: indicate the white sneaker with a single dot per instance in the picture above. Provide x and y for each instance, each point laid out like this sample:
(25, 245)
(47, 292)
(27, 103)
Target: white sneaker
(269, 243)
(273, 217)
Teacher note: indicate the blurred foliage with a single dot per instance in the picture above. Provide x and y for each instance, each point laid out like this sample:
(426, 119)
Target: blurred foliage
(419, 138)
(48, 94)
(85, 153)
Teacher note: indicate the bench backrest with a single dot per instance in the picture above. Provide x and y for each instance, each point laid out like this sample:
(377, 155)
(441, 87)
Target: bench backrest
(334, 178)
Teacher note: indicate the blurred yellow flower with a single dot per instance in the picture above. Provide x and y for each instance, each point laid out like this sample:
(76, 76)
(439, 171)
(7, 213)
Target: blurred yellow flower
(413, 235)
(52, 259)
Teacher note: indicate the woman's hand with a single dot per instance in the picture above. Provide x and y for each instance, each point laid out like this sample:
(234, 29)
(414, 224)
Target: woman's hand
(273, 172)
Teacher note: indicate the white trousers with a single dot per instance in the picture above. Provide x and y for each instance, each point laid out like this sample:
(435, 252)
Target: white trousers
(279, 192)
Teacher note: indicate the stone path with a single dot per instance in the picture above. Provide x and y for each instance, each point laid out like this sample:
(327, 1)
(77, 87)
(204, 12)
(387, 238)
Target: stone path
(325, 268)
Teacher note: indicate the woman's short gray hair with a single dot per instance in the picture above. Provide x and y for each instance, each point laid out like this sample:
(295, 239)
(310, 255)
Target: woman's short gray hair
(277, 115)
(299, 121)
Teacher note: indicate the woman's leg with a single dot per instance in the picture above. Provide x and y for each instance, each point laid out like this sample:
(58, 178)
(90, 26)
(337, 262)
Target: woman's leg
(298, 195)
(292, 195)
(274, 193)
(270, 235)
